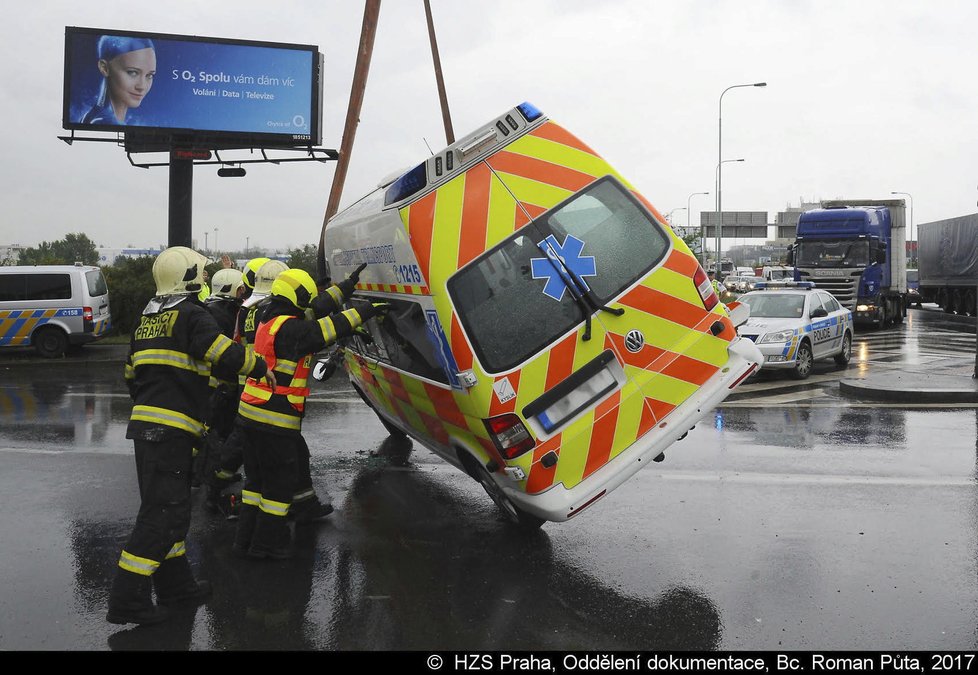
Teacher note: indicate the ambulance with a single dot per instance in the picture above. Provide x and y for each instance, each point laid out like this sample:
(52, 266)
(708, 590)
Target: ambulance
(548, 333)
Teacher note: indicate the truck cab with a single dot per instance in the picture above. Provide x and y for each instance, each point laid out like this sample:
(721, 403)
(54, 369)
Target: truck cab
(850, 251)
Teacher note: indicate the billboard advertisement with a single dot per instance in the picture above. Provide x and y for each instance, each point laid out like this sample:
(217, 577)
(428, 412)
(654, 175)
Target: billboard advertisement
(255, 92)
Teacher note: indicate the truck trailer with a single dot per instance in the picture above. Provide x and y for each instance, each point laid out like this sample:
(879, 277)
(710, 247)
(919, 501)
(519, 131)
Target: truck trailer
(856, 250)
(947, 257)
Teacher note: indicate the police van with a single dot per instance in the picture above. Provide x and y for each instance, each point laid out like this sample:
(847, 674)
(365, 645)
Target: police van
(548, 333)
(52, 306)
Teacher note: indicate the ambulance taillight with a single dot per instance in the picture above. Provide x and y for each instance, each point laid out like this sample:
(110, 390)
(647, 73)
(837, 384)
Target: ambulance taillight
(510, 436)
(705, 289)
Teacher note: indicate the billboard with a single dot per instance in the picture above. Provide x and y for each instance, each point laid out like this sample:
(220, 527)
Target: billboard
(237, 91)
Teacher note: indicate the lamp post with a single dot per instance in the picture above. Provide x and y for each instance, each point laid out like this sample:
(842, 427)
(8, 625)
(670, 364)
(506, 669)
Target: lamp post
(720, 161)
(669, 215)
(741, 159)
(205, 242)
(215, 238)
(702, 231)
(913, 243)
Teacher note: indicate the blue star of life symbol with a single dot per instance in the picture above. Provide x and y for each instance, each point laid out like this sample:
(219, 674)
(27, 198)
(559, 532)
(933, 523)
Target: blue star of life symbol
(550, 268)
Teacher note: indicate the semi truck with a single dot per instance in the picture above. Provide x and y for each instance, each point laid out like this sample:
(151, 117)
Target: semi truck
(856, 250)
(947, 258)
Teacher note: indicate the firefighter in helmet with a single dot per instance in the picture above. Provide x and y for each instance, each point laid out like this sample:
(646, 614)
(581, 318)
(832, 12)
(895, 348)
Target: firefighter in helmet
(286, 339)
(171, 354)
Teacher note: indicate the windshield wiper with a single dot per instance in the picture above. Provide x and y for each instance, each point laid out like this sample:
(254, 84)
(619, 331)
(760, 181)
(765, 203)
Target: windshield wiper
(577, 287)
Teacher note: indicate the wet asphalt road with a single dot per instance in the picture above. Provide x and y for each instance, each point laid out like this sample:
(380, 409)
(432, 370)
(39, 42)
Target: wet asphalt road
(792, 518)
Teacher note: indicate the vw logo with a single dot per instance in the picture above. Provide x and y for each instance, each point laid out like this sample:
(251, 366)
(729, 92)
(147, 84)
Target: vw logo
(634, 341)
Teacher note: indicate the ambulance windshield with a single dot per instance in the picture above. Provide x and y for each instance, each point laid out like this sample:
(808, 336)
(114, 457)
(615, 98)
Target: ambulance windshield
(516, 300)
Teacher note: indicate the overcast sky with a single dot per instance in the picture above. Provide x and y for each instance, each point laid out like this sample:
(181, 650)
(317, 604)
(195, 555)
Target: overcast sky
(863, 98)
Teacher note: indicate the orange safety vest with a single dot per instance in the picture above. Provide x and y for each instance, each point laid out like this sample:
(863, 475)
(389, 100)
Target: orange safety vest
(284, 406)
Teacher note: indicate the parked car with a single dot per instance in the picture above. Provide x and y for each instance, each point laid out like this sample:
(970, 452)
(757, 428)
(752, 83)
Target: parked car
(52, 306)
(793, 324)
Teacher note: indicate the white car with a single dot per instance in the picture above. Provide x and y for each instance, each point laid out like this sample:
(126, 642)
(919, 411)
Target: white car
(793, 324)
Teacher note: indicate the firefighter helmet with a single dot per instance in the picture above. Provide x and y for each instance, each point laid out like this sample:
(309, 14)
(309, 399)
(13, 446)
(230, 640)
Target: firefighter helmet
(225, 283)
(263, 281)
(178, 270)
(296, 286)
(250, 270)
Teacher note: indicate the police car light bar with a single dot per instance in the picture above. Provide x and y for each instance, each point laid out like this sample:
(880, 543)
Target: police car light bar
(772, 285)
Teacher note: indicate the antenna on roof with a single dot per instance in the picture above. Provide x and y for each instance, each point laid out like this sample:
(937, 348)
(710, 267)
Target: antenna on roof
(428, 146)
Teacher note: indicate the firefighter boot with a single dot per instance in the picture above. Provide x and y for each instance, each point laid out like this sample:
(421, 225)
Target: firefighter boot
(310, 511)
(175, 584)
(131, 600)
(247, 516)
(272, 538)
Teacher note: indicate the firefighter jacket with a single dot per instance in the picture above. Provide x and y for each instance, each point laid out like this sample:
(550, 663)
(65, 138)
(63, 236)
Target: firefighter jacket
(225, 313)
(169, 366)
(287, 341)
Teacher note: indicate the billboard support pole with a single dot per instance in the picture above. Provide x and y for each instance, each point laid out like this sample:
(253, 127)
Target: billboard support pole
(439, 78)
(368, 31)
(181, 202)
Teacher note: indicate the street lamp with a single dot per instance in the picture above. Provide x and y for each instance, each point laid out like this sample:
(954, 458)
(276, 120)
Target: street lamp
(669, 215)
(717, 177)
(702, 232)
(913, 245)
(215, 239)
(720, 161)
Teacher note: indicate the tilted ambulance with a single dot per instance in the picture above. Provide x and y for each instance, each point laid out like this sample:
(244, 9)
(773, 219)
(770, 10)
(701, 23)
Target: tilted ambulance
(548, 333)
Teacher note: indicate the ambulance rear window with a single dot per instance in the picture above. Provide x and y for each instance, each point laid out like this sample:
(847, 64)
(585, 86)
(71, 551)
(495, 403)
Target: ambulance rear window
(513, 303)
(505, 315)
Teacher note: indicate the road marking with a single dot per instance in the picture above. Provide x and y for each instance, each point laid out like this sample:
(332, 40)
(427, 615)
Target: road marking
(764, 402)
(814, 479)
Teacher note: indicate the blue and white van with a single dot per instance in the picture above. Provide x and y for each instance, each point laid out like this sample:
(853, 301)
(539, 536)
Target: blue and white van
(52, 306)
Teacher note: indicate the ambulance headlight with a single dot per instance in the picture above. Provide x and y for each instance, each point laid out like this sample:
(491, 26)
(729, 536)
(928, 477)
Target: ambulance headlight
(779, 336)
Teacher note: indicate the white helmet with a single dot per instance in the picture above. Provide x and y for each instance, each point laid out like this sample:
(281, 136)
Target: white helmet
(178, 270)
(225, 283)
(263, 280)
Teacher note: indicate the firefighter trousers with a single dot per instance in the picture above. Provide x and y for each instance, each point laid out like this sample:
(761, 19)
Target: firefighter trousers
(163, 472)
(270, 462)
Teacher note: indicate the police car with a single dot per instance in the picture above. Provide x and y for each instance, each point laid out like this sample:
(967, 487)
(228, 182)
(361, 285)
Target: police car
(793, 323)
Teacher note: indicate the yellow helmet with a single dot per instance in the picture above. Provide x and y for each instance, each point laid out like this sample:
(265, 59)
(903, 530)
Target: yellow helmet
(296, 286)
(178, 270)
(267, 274)
(225, 283)
(250, 270)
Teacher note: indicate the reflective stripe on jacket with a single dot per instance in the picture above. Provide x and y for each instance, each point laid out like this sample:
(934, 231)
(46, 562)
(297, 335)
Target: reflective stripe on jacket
(169, 366)
(284, 406)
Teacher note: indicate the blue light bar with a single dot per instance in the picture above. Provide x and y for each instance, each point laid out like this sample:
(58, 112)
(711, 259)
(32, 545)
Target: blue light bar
(775, 285)
(405, 186)
(529, 111)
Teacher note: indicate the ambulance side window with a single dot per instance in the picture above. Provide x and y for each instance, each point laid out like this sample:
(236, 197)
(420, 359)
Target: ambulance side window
(402, 339)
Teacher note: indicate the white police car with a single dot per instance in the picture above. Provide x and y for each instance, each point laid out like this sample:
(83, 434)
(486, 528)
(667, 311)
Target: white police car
(794, 323)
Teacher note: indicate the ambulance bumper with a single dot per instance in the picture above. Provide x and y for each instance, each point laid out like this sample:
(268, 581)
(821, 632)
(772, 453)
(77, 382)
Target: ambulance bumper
(559, 503)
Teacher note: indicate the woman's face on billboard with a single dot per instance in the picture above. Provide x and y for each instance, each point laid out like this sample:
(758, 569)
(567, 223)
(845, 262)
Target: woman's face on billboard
(129, 76)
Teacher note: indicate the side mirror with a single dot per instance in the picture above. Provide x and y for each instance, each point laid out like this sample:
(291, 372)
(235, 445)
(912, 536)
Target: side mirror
(819, 313)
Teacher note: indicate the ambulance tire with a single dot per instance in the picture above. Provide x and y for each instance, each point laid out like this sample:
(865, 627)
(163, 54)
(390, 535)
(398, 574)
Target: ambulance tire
(513, 513)
(803, 361)
(842, 358)
(50, 342)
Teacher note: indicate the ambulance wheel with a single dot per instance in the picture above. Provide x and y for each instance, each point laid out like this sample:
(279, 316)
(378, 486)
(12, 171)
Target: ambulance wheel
(50, 342)
(842, 358)
(513, 513)
(803, 362)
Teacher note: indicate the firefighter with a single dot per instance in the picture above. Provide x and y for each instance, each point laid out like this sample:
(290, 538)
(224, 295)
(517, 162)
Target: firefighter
(167, 371)
(257, 280)
(273, 414)
(223, 304)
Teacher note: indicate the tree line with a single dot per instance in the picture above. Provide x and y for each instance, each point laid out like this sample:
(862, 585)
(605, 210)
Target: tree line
(130, 280)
